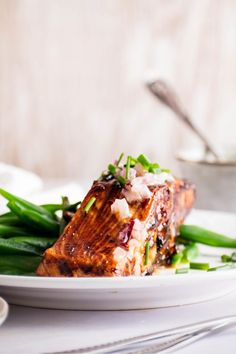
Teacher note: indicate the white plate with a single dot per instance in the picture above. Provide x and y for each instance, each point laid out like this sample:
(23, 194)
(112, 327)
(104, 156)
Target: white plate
(18, 181)
(3, 310)
(128, 292)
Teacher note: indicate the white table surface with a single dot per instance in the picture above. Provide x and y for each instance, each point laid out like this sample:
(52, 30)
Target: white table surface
(31, 330)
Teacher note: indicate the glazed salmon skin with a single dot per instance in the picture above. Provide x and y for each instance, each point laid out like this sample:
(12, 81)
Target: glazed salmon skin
(126, 225)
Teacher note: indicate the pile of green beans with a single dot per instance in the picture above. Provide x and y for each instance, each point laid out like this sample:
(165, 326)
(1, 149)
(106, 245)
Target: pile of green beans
(200, 235)
(27, 230)
(189, 237)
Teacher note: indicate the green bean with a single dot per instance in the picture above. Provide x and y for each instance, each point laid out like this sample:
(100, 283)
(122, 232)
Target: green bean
(72, 207)
(42, 222)
(35, 219)
(65, 205)
(8, 246)
(19, 264)
(52, 208)
(42, 243)
(7, 231)
(201, 235)
(10, 219)
(24, 203)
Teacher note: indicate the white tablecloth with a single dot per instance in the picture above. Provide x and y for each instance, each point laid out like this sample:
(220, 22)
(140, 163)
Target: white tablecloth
(31, 330)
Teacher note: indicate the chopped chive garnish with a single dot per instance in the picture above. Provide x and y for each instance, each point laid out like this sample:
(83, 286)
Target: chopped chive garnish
(176, 258)
(181, 270)
(119, 159)
(133, 161)
(144, 161)
(225, 258)
(147, 252)
(200, 266)
(121, 180)
(166, 170)
(127, 168)
(112, 168)
(225, 266)
(89, 204)
(233, 257)
(154, 168)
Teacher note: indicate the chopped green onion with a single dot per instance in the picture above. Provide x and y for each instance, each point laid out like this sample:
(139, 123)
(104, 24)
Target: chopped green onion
(144, 161)
(120, 158)
(176, 258)
(186, 255)
(166, 170)
(112, 168)
(133, 161)
(200, 266)
(154, 168)
(225, 266)
(147, 252)
(191, 251)
(127, 168)
(121, 180)
(225, 258)
(89, 204)
(233, 257)
(181, 270)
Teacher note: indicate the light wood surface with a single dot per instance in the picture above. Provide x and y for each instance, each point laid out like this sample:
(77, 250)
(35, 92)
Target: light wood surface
(72, 75)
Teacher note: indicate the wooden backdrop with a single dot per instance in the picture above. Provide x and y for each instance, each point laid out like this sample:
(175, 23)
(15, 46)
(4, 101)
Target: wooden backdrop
(72, 75)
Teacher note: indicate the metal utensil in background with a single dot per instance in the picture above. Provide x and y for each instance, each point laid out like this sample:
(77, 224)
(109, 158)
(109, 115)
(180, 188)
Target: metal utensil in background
(168, 96)
(157, 342)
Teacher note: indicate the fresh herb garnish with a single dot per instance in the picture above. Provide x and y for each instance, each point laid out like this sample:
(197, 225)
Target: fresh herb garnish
(200, 266)
(144, 161)
(89, 204)
(121, 180)
(147, 252)
(166, 170)
(222, 267)
(181, 270)
(233, 257)
(225, 258)
(119, 159)
(187, 254)
(127, 167)
(147, 165)
(112, 169)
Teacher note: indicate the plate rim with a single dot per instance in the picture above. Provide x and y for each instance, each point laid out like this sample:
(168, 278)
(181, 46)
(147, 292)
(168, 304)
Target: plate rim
(128, 282)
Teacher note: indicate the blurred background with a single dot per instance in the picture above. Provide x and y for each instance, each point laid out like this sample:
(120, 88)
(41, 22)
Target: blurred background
(73, 73)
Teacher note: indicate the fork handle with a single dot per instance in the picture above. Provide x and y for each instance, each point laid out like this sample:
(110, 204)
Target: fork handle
(124, 343)
(166, 346)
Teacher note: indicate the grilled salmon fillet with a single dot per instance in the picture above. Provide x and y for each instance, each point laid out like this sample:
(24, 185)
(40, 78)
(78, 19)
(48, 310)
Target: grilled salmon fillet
(129, 229)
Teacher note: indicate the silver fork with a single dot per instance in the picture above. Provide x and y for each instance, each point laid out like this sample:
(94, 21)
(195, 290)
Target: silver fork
(157, 342)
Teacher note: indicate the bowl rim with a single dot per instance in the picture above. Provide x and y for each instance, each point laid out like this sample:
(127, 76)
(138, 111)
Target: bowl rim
(208, 163)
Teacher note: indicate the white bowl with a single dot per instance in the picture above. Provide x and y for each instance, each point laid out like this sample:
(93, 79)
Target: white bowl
(17, 181)
(215, 180)
(3, 310)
